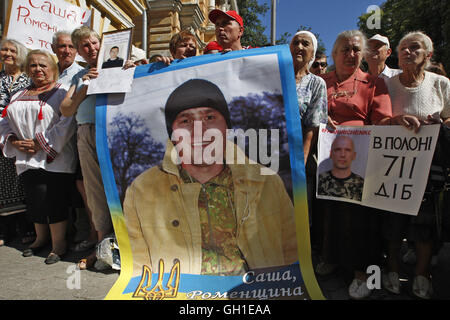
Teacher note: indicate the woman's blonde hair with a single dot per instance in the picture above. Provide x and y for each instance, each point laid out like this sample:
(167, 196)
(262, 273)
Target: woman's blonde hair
(81, 33)
(52, 63)
(21, 52)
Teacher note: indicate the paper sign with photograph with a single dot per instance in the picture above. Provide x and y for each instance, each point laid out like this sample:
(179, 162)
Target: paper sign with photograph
(203, 171)
(384, 167)
(115, 49)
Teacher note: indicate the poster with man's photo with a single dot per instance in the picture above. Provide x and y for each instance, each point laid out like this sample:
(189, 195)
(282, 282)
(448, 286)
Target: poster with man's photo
(115, 50)
(384, 167)
(203, 169)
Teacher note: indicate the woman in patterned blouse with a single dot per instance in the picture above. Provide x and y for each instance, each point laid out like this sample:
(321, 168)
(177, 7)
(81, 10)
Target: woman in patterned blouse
(311, 90)
(313, 108)
(12, 79)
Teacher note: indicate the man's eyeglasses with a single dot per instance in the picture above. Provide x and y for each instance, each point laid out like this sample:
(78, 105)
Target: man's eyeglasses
(317, 64)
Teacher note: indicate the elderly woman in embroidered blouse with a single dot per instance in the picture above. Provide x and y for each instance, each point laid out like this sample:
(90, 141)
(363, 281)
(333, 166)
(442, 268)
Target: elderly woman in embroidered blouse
(354, 99)
(41, 140)
(418, 98)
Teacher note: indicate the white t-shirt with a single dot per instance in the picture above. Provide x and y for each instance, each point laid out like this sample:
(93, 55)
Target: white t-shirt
(388, 73)
(431, 97)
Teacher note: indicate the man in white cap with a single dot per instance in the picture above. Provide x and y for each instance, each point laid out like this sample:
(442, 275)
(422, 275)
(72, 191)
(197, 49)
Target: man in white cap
(229, 29)
(138, 56)
(379, 51)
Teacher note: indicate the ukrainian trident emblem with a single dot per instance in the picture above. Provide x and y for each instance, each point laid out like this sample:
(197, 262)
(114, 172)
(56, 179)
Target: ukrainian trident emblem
(159, 290)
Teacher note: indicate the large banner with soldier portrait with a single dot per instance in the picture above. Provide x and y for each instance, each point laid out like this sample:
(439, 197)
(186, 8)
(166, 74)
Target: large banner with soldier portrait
(203, 169)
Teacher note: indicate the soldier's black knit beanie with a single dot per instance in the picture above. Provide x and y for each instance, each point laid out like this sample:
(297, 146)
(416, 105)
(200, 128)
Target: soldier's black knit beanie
(195, 93)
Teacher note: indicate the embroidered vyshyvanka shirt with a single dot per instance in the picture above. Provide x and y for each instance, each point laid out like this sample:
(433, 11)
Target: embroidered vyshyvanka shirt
(30, 117)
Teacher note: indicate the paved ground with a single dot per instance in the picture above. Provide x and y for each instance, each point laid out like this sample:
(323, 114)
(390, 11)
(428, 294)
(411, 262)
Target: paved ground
(31, 279)
(335, 286)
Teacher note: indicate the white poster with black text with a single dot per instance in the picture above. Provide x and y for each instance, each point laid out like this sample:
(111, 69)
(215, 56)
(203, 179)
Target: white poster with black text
(384, 167)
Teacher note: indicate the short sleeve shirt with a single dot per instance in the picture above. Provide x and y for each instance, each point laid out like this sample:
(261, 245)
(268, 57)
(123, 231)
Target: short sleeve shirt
(388, 73)
(65, 77)
(360, 100)
(349, 188)
(312, 101)
(86, 109)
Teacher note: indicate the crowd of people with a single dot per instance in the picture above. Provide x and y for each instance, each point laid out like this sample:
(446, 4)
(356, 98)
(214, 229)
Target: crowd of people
(354, 236)
(47, 134)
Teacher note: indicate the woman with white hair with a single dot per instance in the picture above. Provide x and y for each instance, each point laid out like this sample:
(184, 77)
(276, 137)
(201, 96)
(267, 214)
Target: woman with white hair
(418, 98)
(311, 89)
(12, 80)
(351, 232)
(12, 77)
(312, 104)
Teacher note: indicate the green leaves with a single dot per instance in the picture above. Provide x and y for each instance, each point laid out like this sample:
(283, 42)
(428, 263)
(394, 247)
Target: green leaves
(399, 17)
(253, 28)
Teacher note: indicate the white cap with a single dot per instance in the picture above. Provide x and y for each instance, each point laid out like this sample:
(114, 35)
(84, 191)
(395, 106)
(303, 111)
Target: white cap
(137, 54)
(381, 38)
(314, 41)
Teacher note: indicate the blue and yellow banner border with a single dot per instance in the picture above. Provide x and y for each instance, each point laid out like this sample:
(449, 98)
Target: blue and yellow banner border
(294, 130)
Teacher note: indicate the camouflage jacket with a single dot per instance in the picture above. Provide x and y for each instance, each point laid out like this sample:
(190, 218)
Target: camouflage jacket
(220, 252)
(349, 188)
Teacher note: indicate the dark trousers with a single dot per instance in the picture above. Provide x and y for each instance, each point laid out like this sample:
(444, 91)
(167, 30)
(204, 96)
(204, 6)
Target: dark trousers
(48, 195)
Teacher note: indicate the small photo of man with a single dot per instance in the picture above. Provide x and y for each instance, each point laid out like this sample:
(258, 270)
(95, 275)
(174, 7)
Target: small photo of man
(340, 181)
(114, 60)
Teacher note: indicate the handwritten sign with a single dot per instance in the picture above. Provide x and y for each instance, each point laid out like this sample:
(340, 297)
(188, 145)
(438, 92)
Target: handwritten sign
(384, 167)
(33, 22)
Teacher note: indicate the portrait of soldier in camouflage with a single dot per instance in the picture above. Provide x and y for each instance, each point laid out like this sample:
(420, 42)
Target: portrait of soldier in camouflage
(216, 218)
(340, 181)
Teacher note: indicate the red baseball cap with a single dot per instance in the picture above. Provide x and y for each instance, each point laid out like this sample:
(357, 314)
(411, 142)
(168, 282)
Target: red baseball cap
(214, 14)
(213, 45)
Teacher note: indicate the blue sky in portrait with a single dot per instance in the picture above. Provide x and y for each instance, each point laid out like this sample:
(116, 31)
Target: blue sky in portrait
(327, 18)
